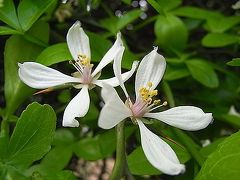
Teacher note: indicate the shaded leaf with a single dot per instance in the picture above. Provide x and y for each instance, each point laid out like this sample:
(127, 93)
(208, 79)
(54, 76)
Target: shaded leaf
(219, 40)
(203, 72)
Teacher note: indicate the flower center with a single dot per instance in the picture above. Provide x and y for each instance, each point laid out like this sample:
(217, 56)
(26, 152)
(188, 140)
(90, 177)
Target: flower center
(145, 101)
(84, 67)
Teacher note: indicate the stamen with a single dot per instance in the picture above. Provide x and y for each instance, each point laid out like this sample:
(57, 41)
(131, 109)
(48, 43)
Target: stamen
(161, 105)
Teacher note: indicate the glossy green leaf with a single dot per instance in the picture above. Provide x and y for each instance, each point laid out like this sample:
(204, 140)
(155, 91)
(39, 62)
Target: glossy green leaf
(38, 33)
(29, 11)
(32, 135)
(54, 54)
(234, 62)
(4, 30)
(171, 33)
(8, 14)
(54, 161)
(219, 40)
(203, 72)
(206, 151)
(17, 49)
(224, 162)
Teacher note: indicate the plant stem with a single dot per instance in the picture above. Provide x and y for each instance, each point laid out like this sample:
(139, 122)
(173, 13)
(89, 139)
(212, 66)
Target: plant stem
(120, 162)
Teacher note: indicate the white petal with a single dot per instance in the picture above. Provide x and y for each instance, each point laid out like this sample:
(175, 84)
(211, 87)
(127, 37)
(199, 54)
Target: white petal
(109, 56)
(39, 76)
(151, 69)
(78, 42)
(118, 69)
(184, 117)
(114, 110)
(114, 81)
(78, 107)
(159, 153)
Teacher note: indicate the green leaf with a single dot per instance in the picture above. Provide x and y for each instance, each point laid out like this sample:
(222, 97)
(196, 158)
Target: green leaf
(222, 24)
(54, 54)
(203, 72)
(98, 147)
(99, 46)
(195, 13)
(234, 62)
(219, 40)
(32, 135)
(171, 33)
(8, 14)
(206, 151)
(169, 5)
(4, 30)
(115, 24)
(29, 11)
(63, 137)
(38, 33)
(17, 49)
(54, 161)
(174, 73)
(224, 162)
(139, 165)
(63, 175)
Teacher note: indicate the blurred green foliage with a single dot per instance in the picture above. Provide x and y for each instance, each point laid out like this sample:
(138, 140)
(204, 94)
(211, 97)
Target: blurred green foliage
(200, 41)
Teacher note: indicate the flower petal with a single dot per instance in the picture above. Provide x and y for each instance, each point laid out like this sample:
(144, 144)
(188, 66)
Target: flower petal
(118, 69)
(184, 117)
(159, 153)
(151, 69)
(109, 56)
(114, 81)
(39, 76)
(78, 42)
(78, 107)
(114, 110)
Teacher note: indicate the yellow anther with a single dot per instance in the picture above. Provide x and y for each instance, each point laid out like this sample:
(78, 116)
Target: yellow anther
(153, 93)
(149, 100)
(84, 60)
(150, 84)
(164, 103)
(157, 102)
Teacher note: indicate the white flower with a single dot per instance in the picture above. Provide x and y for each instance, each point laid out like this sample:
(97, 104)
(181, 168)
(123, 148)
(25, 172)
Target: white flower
(148, 76)
(39, 76)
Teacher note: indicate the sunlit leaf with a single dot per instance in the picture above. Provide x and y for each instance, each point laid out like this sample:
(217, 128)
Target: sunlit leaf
(224, 162)
(203, 72)
(32, 135)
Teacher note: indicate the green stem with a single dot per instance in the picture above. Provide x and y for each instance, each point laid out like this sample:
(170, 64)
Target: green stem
(120, 162)
(4, 127)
